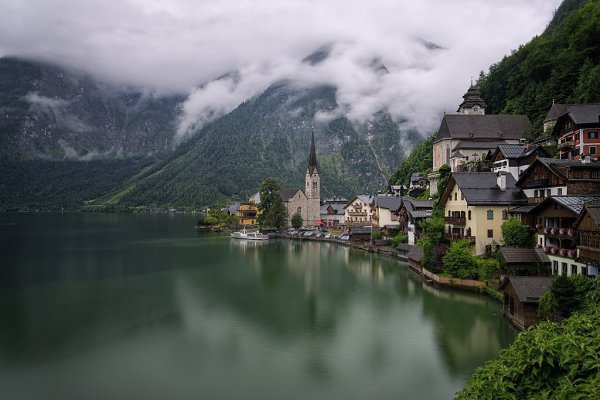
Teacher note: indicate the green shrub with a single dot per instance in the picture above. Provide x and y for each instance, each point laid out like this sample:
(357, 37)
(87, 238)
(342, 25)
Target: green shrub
(487, 268)
(459, 262)
(399, 239)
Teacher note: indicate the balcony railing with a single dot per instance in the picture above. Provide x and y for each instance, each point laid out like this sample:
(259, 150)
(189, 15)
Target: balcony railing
(589, 254)
(357, 213)
(536, 183)
(557, 232)
(453, 237)
(566, 145)
(455, 220)
(557, 251)
(535, 200)
(590, 239)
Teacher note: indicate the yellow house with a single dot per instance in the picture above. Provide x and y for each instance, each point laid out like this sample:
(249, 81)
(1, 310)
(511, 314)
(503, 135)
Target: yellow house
(246, 212)
(476, 205)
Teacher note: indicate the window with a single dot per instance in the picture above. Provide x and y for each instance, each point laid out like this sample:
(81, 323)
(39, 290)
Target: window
(577, 136)
(490, 233)
(555, 268)
(574, 152)
(535, 193)
(490, 214)
(564, 269)
(573, 269)
(455, 196)
(548, 192)
(469, 215)
(504, 214)
(584, 271)
(577, 174)
(299, 210)
(462, 196)
(593, 135)
(560, 191)
(594, 174)
(592, 149)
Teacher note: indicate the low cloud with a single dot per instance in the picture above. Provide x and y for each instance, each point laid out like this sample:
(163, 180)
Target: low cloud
(429, 48)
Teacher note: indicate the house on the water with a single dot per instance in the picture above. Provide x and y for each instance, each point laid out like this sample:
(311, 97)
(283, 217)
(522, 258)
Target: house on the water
(522, 297)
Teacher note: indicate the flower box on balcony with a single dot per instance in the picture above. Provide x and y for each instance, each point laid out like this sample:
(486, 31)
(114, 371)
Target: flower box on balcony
(538, 246)
(539, 226)
(554, 250)
(546, 249)
(563, 252)
(554, 231)
(562, 231)
(572, 253)
(546, 230)
(570, 231)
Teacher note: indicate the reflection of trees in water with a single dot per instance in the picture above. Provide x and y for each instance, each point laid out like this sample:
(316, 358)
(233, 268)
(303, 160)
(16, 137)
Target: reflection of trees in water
(468, 329)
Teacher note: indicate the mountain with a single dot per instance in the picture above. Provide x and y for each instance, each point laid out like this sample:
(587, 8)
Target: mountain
(52, 113)
(561, 65)
(67, 139)
(269, 135)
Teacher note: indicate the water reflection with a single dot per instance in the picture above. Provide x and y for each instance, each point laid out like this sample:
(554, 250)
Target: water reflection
(166, 314)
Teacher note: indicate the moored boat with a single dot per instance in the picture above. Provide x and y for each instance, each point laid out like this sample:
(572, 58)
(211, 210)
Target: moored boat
(249, 235)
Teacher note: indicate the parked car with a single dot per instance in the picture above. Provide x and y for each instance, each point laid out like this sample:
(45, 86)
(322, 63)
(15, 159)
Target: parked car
(345, 238)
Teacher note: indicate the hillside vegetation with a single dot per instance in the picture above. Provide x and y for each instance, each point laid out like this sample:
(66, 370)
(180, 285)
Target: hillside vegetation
(560, 65)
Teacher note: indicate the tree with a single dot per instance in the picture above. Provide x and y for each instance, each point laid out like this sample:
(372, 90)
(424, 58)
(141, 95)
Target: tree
(459, 262)
(276, 216)
(565, 296)
(270, 190)
(297, 221)
(516, 234)
(442, 180)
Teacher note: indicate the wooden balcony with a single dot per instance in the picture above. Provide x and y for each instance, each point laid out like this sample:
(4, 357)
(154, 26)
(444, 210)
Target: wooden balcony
(589, 254)
(569, 144)
(537, 183)
(357, 213)
(589, 239)
(460, 221)
(452, 237)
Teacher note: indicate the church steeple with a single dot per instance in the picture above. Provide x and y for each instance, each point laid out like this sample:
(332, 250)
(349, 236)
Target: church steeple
(472, 102)
(312, 158)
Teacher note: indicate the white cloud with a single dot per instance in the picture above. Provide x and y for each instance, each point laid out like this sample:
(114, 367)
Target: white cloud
(181, 44)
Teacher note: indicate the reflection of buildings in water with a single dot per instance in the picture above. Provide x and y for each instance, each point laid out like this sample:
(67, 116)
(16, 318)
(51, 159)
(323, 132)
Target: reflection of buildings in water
(468, 328)
(366, 268)
(250, 249)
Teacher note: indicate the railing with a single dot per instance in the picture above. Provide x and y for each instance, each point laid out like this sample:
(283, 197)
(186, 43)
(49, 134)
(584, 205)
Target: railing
(566, 145)
(537, 183)
(557, 232)
(535, 200)
(455, 220)
(357, 213)
(453, 237)
(589, 254)
(590, 239)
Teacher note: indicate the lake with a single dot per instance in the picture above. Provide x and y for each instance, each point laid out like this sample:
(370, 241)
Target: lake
(96, 306)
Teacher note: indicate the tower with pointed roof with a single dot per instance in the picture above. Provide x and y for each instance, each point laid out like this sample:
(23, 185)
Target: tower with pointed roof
(313, 186)
(472, 103)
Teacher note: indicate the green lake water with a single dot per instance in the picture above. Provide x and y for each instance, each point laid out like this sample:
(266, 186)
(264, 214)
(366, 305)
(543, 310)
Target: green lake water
(142, 307)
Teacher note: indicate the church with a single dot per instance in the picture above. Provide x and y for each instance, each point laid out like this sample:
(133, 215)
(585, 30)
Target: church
(471, 133)
(307, 203)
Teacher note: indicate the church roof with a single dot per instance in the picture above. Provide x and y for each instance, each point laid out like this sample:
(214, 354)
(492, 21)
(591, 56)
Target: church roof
(483, 127)
(472, 98)
(312, 158)
(288, 193)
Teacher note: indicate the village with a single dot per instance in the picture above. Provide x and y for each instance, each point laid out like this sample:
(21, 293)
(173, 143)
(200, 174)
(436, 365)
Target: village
(496, 213)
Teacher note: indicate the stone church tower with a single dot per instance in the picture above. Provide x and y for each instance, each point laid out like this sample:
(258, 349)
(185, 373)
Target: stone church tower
(313, 186)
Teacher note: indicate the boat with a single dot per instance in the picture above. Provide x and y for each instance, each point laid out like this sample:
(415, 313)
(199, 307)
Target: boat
(249, 235)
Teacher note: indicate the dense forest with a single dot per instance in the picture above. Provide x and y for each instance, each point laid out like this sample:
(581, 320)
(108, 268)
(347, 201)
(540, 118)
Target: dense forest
(420, 160)
(561, 65)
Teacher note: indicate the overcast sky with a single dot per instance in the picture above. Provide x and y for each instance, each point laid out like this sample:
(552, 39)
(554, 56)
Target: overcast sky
(177, 45)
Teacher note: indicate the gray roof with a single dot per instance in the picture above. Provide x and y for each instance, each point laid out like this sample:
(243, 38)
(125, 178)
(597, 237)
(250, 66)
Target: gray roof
(529, 289)
(233, 207)
(555, 111)
(288, 193)
(486, 127)
(458, 154)
(366, 198)
(472, 98)
(515, 255)
(522, 209)
(415, 253)
(481, 188)
(478, 144)
(572, 203)
(420, 204)
(513, 150)
(391, 203)
(584, 113)
(420, 214)
(338, 207)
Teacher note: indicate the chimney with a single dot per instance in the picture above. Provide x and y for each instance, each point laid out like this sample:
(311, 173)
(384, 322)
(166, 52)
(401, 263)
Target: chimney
(501, 180)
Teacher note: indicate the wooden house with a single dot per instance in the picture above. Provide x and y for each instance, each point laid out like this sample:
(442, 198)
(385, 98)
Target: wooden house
(577, 128)
(522, 297)
(587, 227)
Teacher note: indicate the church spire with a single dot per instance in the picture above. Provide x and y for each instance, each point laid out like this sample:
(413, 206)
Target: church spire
(312, 158)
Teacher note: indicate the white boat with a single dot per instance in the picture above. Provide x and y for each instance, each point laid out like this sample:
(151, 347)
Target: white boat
(248, 235)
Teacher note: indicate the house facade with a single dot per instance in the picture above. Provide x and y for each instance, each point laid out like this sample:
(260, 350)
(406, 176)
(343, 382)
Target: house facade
(358, 212)
(515, 158)
(332, 212)
(552, 177)
(577, 127)
(476, 204)
(587, 227)
(385, 211)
